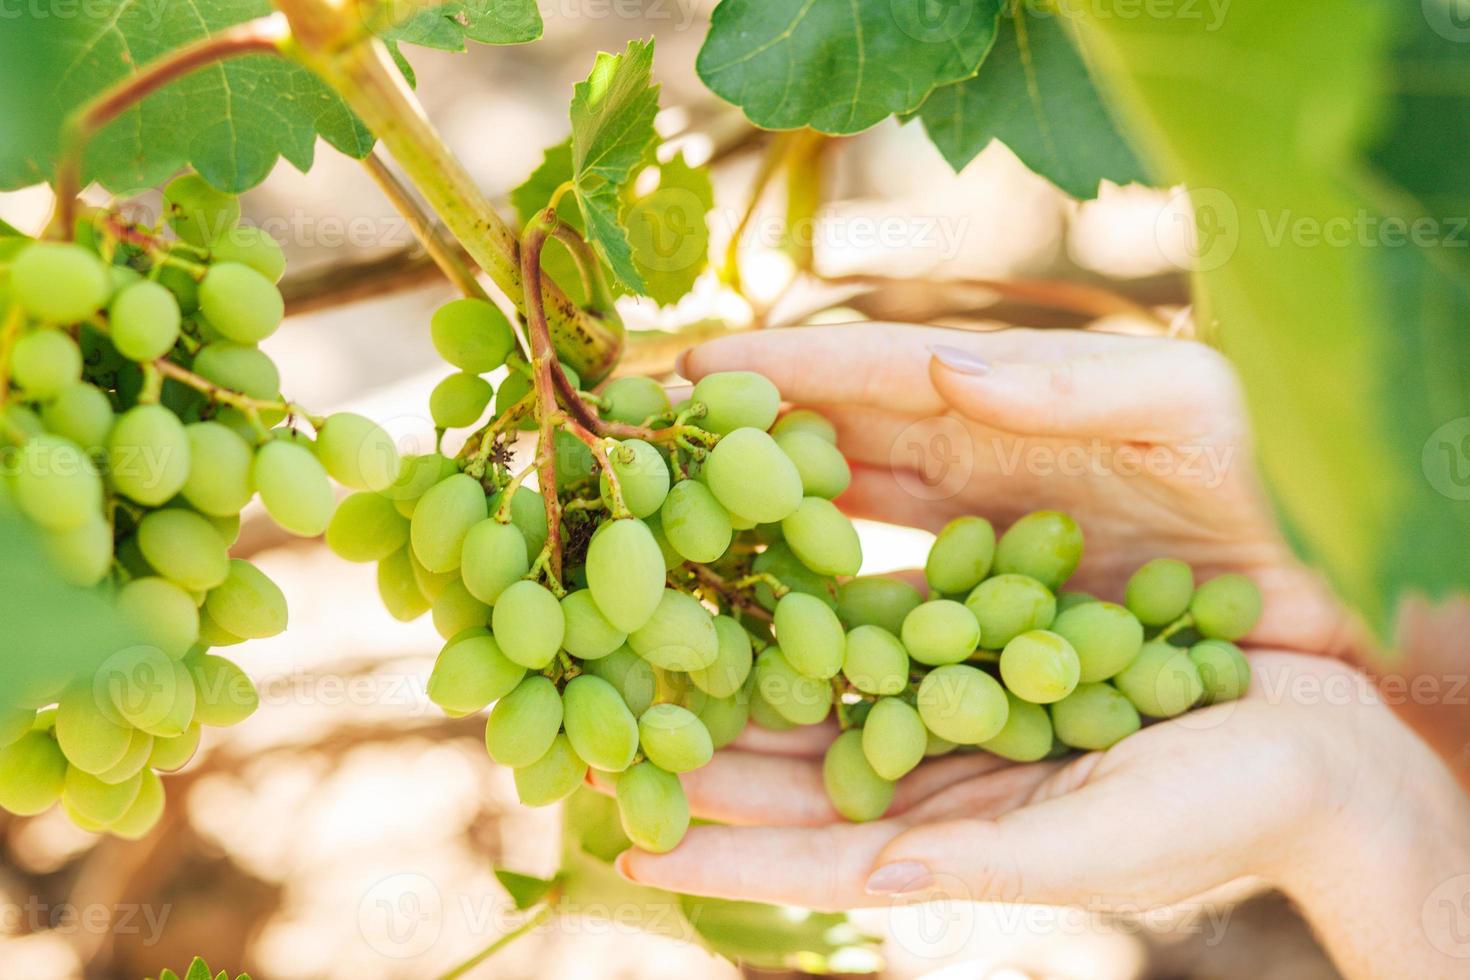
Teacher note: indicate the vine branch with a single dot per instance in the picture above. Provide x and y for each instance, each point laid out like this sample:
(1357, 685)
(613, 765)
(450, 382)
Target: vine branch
(444, 255)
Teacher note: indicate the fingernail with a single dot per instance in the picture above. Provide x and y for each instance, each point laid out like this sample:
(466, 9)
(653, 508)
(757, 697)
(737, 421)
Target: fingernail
(623, 867)
(959, 359)
(899, 878)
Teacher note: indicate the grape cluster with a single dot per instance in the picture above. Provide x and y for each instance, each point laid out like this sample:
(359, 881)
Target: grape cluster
(138, 417)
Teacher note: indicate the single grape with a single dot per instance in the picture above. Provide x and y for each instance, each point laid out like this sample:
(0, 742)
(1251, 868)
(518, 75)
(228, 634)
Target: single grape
(197, 212)
(357, 452)
(799, 699)
(455, 610)
(630, 674)
(601, 728)
(779, 562)
(225, 695)
(823, 538)
(1040, 666)
(642, 475)
(145, 812)
(45, 362)
(55, 484)
(431, 584)
(939, 632)
(553, 777)
(212, 634)
(529, 624)
(736, 400)
(856, 790)
(634, 400)
(672, 558)
(150, 691)
(725, 718)
(172, 754)
(894, 738)
(243, 305)
(674, 739)
(366, 527)
(89, 730)
(1046, 545)
(680, 635)
(294, 488)
(82, 556)
(398, 587)
(750, 475)
(184, 548)
(524, 723)
(459, 400)
(144, 319)
(824, 470)
(140, 747)
(653, 807)
(58, 282)
(99, 801)
(875, 662)
(415, 477)
(18, 423)
(625, 573)
(240, 368)
(962, 704)
(248, 603)
(961, 556)
(528, 513)
(589, 635)
(876, 601)
(695, 523)
(575, 463)
(1027, 735)
(80, 413)
(182, 284)
(228, 528)
(471, 672)
(810, 635)
(15, 722)
(1226, 607)
(32, 774)
(1094, 717)
(1159, 592)
(249, 245)
(443, 518)
(733, 661)
(1223, 670)
(1105, 635)
(1162, 681)
(472, 334)
(148, 455)
(1008, 605)
(219, 482)
(808, 421)
(164, 614)
(493, 559)
(763, 715)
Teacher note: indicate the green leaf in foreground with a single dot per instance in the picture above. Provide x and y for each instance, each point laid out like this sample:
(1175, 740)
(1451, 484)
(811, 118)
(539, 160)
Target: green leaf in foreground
(448, 26)
(840, 66)
(524, 890)
(1035, 94)
(199, 970)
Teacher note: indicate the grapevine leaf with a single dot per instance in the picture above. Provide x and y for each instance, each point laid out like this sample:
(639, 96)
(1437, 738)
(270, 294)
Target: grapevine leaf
(198, 970)
(668, 231)
(1035, 94)
(447, 27)
(524, 890)
(840, 66)
(612, 133)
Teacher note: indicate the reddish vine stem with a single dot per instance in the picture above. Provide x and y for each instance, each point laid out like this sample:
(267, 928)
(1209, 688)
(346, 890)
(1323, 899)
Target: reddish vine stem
(544, 369)
(619, 506)
(714, 580)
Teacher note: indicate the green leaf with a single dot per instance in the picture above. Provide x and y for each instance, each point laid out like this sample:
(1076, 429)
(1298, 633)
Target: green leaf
(524, 890)
(1348, 333)
(198, 970)
(668, 231)
(612, 134)
(1035, 94)
(447, 27)
(840, 66)
(772, 938)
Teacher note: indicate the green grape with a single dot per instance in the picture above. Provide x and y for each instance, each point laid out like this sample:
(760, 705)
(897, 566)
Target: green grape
(219, 483)
(1226, 607)
(455, 611)
(243, 305)
(1008, 605)
(398, 588)
(59, 283)
(697, 527)
(140, 747)
(529, 624)
(936, 746)
(601, 728)
(1068, 600)
(252, 246)
(1159, 592)
(471, 672)
(91, 733)
(634, 400)
(575, 463)
(239, 367)
(642, 475)
(894, 738)
(99, 801)
(148, 455)
(228, 528)
(823, 538)
(939, 632)
(725, 718)
(1162, 681)
(357, 452)
(18, 423)
(459, 400)
(653, 808)
(172, 754)
(197, 212)
(80, 413)
(808, 421)
(294, 488)
(680, 635)
(1027, 735)
(182, 284)
(149, 691)
(212, 634)
(1223, 670)
(589, 635)
(1105, 635)
(144, 813)
(225, 694)
(55, 484)
(416, 477)
(366, 527)
(741, 523)
(528, 513)
(752, 478)
(32, 774)
(962, 704)
(15, 722)
(524, 723)
(876, 601)
(494, 558)
(961, 556)
(184, 548)
(779, 562)
(553, 777)
(443, 518)
(672, 558)
(797, 698)
(1040, 666)
(810, 635)
(1094, 717)
(674, 739)
(472, 334)
(164, 614)
(733, 661)
(854, 787)
(736, 400)
(513, 390)
(625, 573)
(765, 716)
(144, 319)
(83, 555)
(824, 470)
(45, 363)
(630, 674)
(248, 604)
(875, 662)
(431, 584)
(676, 687)
(1046, 545)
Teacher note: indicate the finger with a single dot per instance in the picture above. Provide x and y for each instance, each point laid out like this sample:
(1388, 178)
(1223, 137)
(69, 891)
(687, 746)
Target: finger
(804, 741)
(750, 788)
(881, 494)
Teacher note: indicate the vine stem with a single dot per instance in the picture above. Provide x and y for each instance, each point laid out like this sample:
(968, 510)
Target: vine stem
(724, 587)
(264, 35)
(543, 367)
(225, 396)
(619, 506)
(444, 255)
(542, 913)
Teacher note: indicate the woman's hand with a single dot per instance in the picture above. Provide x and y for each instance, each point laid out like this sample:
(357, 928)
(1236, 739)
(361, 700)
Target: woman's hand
(1144, 441)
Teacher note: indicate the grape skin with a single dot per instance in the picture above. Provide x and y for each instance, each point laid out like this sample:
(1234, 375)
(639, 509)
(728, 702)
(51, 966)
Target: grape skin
(1094, 717)
(529, 623)
(1046, 545)
(894, 738)
(962, 705)
(961, 556)
(653, 807)
(1162, 681)
(696, 526)
(1226, 607)
(680, 635)
(876, 601)
(810, 635)
(674, 739)
(1040, 667)
(625, 573)
(855, 788)
(823, 538)
(940, 632)
(875, 662)
(1159, 592)
(601, 728)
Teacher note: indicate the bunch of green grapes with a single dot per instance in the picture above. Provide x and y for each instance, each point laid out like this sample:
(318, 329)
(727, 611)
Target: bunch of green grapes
(138, 418)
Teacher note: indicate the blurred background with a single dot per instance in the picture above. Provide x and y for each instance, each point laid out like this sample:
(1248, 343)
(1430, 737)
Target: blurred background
(348, 829)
